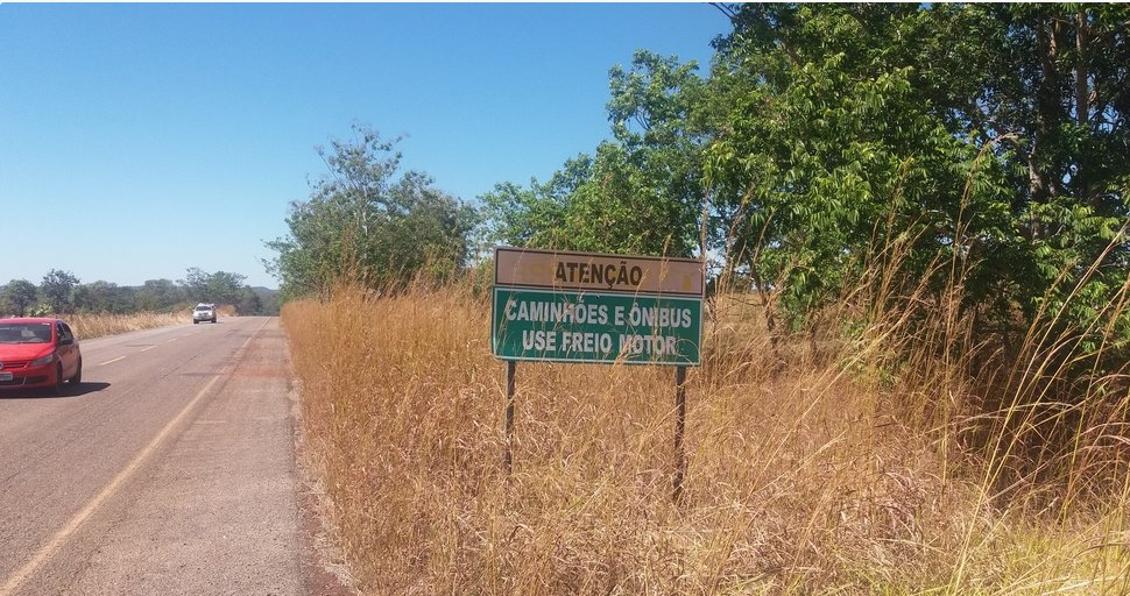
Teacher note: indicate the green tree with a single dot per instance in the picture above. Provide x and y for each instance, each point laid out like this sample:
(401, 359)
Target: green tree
(639, 193)
(57, 289)
(989, 137)
(195, 283)
(249, 303)
(978, 132)
(220, 287)
(1051, 81)
(159, 294)
(103, 297)
(225, 287)
(19, 296)
(369, 220)
(534, 215)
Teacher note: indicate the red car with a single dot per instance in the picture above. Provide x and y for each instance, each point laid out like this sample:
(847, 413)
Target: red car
(38, 353)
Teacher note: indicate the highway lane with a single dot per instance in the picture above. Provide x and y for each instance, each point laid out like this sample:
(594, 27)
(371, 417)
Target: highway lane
(171, 470)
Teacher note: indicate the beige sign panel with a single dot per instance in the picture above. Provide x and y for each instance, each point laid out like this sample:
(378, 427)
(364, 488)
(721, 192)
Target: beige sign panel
(597, 272)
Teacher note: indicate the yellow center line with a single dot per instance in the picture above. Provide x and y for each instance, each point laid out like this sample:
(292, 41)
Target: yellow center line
(112, 360)
(47, 550)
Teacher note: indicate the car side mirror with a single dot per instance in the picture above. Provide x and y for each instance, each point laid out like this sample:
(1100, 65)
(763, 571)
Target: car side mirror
(64, 341)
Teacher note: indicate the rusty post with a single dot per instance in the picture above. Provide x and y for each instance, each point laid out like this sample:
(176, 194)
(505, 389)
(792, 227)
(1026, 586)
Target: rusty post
(507, 457)
(680, 423)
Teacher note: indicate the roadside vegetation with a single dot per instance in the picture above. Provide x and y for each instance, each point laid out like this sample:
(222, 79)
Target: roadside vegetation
(60, 292)
(826, 466)
(89, 326)
(103, 308)
(917, 371)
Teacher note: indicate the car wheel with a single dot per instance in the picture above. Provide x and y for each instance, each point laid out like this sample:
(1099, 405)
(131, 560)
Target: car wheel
(77, 379)
(194, 321)
(58, 388)
(213, 319)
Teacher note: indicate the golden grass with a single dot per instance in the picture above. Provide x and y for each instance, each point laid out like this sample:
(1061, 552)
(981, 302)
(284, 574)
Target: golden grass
(88, 326)
(806, 474)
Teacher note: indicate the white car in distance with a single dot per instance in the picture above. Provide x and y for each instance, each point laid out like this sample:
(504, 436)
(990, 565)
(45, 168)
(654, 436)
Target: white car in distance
(204, 312)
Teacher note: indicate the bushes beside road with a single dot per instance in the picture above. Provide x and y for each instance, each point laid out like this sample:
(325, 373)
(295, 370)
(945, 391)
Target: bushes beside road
(921, 383)
(89, 326)
(813, 464)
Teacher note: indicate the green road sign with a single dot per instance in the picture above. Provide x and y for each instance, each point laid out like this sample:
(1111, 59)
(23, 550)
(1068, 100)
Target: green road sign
(587, 326)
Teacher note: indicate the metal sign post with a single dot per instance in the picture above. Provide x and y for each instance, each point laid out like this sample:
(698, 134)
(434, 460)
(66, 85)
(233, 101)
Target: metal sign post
(507, 458)
(558, 306)
(680, 423)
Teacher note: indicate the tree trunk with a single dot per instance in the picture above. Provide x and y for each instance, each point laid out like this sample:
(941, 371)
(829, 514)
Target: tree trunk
(1040, 185)
(1082, 87)
(1082, 92)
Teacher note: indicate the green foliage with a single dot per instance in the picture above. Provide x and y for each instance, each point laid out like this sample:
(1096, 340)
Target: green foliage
(17, 297)
(61, 293)
(532, 216)
(640, 193)
(969, 150)
(249, 303)
(57, 290)
(102, 296)
(993, 134)
(827, 152)
(367, 219)
(159, 295)
(221, 287)
(266, 302)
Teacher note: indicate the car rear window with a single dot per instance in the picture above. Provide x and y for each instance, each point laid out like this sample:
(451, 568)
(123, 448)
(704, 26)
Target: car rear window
(25, 333)
(203, 308)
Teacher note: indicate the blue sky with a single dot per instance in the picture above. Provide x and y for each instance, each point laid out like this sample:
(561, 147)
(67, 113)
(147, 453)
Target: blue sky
(145, 139)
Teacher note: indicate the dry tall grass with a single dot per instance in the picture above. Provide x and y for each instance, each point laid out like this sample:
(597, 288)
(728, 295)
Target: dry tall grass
(813, 466)
(88, 326)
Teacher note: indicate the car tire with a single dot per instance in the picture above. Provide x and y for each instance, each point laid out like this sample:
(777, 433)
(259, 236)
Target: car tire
(194, 321)
(213, 320)
(77, 378)
(59, 380)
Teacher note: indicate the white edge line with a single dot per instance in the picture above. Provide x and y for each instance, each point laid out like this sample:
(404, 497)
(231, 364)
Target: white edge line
(111, 361)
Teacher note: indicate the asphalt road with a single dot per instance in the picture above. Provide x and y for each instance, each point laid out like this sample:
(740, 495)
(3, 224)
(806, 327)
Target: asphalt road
(171, 470)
